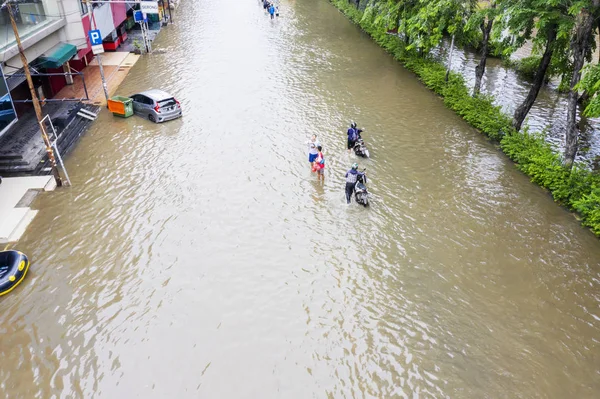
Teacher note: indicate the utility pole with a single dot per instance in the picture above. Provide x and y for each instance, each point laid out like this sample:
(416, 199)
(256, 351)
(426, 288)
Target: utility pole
(98, 56)
(169, 7)
(34, 98)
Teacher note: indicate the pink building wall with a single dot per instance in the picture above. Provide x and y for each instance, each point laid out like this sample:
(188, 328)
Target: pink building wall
(119, 12)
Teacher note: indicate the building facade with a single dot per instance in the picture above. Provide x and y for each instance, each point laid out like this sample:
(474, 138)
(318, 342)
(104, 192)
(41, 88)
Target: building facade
(54, 37)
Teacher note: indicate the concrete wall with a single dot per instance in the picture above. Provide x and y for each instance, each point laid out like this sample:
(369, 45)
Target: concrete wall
(73, 32)
(85, 25)
(119, 13)
(103, 18)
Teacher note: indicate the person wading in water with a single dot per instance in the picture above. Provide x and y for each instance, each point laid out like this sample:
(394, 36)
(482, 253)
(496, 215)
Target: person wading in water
(351, 178)
(319, 164)
(313, 143)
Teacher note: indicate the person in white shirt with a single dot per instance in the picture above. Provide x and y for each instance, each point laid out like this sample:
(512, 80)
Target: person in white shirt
(313, 151)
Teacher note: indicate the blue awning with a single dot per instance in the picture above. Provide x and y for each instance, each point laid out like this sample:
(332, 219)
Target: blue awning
(57, 55)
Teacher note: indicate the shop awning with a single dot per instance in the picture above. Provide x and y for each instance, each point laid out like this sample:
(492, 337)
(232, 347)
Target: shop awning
(57, 55)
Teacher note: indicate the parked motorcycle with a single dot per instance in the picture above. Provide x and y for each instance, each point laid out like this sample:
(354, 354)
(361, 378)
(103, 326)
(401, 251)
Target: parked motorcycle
(361, 194)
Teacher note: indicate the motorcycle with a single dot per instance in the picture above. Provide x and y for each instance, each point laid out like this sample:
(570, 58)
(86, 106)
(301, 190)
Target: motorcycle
(361, 194)
(360, 149)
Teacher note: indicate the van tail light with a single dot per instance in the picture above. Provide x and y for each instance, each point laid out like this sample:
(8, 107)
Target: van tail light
(178, 103)
(157, 108)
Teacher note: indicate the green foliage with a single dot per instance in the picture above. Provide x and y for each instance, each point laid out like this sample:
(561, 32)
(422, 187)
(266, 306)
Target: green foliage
(590, 83)
(528, 66)
(385, 14)
(521, 18)
(535, 157)
(589, 208)
(431, 20)
(500, 48)
(577, 189)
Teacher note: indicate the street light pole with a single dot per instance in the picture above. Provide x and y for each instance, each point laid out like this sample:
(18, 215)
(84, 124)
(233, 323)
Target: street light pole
(98, 56)
(34, 98)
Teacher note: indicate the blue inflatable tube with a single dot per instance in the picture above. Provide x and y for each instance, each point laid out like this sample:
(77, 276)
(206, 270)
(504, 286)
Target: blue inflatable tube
(13, 268)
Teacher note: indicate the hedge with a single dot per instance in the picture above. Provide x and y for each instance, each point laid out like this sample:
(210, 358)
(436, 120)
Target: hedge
(577, 189)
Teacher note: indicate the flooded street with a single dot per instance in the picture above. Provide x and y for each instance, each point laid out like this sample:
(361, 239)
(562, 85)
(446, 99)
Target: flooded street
(201, 258)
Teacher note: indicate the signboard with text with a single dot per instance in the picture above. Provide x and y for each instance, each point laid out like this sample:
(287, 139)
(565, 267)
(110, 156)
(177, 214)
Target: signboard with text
(149, 7)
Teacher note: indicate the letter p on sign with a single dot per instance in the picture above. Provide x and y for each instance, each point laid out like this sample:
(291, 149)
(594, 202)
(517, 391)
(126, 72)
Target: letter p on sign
(95, 37)
(96, 41)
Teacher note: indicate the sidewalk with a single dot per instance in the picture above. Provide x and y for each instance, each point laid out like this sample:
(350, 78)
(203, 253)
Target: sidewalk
(116, 67)
(16, 194)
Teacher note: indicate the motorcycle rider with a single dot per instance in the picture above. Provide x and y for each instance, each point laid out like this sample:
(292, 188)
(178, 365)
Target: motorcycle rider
(351, 178)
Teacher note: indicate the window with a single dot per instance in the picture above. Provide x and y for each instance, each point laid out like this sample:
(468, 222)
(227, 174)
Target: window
(7, 112)
(167, 103)
(30, 16)
(83, 6)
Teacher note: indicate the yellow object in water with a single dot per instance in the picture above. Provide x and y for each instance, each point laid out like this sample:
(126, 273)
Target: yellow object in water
(13, 268)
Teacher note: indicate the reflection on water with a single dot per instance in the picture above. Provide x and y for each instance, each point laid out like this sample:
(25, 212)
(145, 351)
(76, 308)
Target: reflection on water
(201, 257)
(549, 112)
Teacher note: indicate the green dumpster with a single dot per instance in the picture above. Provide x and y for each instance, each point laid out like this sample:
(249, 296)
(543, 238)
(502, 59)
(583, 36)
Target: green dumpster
(121, 106)
(129, 23)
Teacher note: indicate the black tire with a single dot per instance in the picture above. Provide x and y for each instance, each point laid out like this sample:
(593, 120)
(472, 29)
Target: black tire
(151, 118)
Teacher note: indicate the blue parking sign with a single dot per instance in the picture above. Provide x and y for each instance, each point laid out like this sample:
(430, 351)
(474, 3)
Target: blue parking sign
(95, 37)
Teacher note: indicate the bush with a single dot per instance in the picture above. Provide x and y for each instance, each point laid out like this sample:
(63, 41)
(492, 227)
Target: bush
(589, 208)
(528, 66)
(577, 189)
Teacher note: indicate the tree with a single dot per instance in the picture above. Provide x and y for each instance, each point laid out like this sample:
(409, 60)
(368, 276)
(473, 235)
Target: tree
(385, 13)
(484, 17)
(552, 23)
(580, 49)
(429, 21)
(538, 79)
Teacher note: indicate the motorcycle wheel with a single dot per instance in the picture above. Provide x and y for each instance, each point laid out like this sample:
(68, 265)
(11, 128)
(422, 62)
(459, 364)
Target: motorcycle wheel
(362, 199)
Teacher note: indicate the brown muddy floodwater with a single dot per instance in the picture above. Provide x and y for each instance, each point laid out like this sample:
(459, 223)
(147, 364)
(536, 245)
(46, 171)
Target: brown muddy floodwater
(200, 258)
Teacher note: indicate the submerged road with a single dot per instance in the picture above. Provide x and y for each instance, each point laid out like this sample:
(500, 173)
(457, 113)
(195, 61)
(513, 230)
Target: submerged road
(202, 258)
